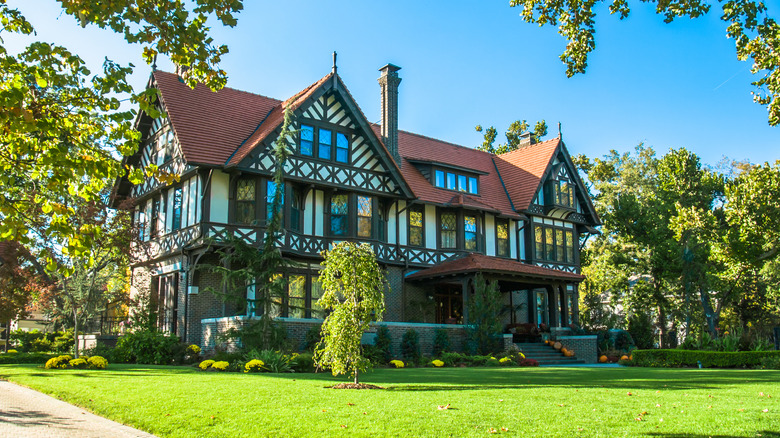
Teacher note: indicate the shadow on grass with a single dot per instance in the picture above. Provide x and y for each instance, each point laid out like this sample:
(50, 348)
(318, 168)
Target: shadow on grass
(761, 433)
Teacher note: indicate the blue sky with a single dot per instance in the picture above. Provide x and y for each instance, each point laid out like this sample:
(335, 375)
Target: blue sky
(466, 63)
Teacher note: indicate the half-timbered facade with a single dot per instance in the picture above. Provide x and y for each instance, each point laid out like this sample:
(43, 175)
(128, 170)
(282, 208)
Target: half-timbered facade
(435, 213)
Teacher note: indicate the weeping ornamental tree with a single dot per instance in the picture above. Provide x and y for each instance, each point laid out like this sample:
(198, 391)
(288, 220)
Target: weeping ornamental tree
(353, 287)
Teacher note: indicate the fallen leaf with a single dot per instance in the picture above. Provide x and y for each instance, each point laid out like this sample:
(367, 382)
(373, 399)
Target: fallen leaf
(492, 430)
(501, 399)
(504, 429)
(760, 394)
(741, 410)
(344, 426)
(658, 406)
(324, 410)
(638, 418)
(350, 404)
(364, 413)
(765, 410)
(444, 407)
(629, 394)
(212, 417)
(643, 413)
(709, 407)
(658, 392)
(561, 405)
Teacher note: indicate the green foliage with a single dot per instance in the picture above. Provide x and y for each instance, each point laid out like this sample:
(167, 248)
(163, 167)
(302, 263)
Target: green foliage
(748, 23)
(79, 363)
(274, 361)
(353, 292)
(384, 343)
(313, 337)
(640, 326)
(441, 342)
(97, 363)
(25, 358)
(149, 347)
(36, 341)
(484, 326)
(261, 334)
(708, 359)
(302, 362)
(514, 136)
(410, 345)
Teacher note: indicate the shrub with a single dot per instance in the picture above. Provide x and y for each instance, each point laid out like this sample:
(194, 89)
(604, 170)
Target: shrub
(149, 347)
(206, 364)
(410, 345)
(25, 358)
(313, 337)
(97, 363)
(193, 349)
(506, 361)
(640, 326)
(708, 359)
(59, 362)
(437, 363)
(373, 353)
(623, 341)
(302, 363)
(397, 363)
(453, 359)
(100, 349)
(771, 363)
(528, 363)
(441, 342)
(383, 343)
(254, 366)
(79, 363)
(220, 365)
(275, 361)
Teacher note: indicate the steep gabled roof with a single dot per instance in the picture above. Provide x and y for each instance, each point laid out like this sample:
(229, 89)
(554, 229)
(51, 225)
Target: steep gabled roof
(209, 125)
(523, 170)
(473, 263)
(414, 147)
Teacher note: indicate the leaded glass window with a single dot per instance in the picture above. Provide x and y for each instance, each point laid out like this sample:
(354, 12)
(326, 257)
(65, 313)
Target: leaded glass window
(364, 213)
(570, 246)
(307, 140)
(177, 198)
(325, 140)
(416, 227)
(342, 148)
(559, 247)
(502, 238)
(339, 209)
(549, 242)
(449, 230)
(470, 232)
(296, 296)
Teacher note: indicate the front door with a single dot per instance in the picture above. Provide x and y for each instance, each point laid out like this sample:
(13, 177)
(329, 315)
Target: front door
(449, 304)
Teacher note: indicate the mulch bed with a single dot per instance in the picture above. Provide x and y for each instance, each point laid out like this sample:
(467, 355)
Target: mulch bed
(355, 386)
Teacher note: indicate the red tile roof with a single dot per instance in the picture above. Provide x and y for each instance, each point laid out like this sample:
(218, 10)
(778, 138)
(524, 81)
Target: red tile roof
(473, 263)
(522, 170)
(210, 125)
(415, 147)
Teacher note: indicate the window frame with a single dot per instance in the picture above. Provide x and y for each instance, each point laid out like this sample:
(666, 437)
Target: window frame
(570, 242)
(455, 181)
(460, 231)
(508, 239)
(416, 209)
(176, 208)
(333, 147)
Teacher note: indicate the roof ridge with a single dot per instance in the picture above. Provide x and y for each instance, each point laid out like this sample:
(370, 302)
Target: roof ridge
(438, 140)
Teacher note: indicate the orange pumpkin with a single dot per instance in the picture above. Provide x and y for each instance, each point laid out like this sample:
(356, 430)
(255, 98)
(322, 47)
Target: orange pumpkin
(603, 359)
(624, 357)
(631, 357)
(557, 346)
(569, 353)
(564, 350)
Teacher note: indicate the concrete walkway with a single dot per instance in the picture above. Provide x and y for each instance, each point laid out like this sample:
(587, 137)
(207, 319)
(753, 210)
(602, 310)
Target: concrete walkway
(25, 413)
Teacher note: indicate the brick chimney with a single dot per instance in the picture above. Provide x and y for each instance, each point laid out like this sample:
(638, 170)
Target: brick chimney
(388, 82)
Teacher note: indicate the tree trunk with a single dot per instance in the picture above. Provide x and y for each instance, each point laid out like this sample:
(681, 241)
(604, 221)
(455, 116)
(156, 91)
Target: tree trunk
(709, 313)
(7, 335)
(356, 376)
(75, 335)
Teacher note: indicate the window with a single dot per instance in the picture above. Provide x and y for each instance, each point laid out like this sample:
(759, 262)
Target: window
(455, 181)
(502, 238)
(449, 231)
(570, 305)
(563, 193)
(339, 209)
(307, 140)
(245, 201)
(325, 140)
(342, 148)
(452, 182)
(439, 178)
(554, 243)
(470, 232)
(296, 296)
(316, 293)
(140, 221)
(416, 227)
(364, 214)
(463, 183)
(270, 197)
(176, 220)
(295, 210)
(155, 219)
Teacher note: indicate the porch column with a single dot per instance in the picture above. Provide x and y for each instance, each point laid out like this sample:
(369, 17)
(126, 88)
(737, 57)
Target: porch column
(564, 305)
(465, 295)
(552, 314)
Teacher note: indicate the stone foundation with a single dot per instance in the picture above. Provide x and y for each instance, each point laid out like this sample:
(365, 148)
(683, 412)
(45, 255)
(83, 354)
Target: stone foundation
(585, 347)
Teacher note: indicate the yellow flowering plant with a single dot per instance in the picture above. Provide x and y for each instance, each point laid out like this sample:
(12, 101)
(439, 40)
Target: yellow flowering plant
(220, 365)
(206, 364)
(254, 366)
(437, 363)
(397, 363)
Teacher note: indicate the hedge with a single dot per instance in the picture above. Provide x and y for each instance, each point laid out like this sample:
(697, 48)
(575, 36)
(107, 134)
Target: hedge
(25, 357)
(708, 359)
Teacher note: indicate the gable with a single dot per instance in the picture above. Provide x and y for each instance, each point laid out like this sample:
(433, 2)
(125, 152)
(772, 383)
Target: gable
(329, 106)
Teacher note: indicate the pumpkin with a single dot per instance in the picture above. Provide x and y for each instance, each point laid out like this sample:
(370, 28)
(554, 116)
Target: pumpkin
(564, 350)
(631, 357)
(603, 359)
(624, 357)
(557, 346)
(569, 353)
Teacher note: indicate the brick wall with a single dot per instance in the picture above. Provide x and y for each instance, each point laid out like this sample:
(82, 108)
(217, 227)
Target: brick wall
(418, 307)
(584, 347)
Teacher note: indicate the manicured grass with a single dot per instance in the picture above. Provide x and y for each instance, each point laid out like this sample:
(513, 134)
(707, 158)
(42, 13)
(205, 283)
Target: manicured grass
(539, 402)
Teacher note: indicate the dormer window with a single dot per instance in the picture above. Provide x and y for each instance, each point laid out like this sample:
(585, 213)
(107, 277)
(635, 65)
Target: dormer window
(324, 143)
(564, 193)
(449, 180)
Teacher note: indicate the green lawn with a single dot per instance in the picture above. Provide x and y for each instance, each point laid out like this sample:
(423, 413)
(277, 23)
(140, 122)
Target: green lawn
(543, 402)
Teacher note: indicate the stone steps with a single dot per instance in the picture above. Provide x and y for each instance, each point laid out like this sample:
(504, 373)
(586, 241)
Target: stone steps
(547, 355)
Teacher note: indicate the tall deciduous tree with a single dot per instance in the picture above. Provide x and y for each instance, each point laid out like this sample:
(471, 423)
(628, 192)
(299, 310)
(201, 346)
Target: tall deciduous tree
(757, 35)
(62, 127)
(353, 292)
(514, 136)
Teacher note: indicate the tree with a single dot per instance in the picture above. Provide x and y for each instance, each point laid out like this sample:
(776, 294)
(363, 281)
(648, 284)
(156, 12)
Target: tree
(353, 292)
(756, 34)
(484, 324)
(62, 127)
(514, 136)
